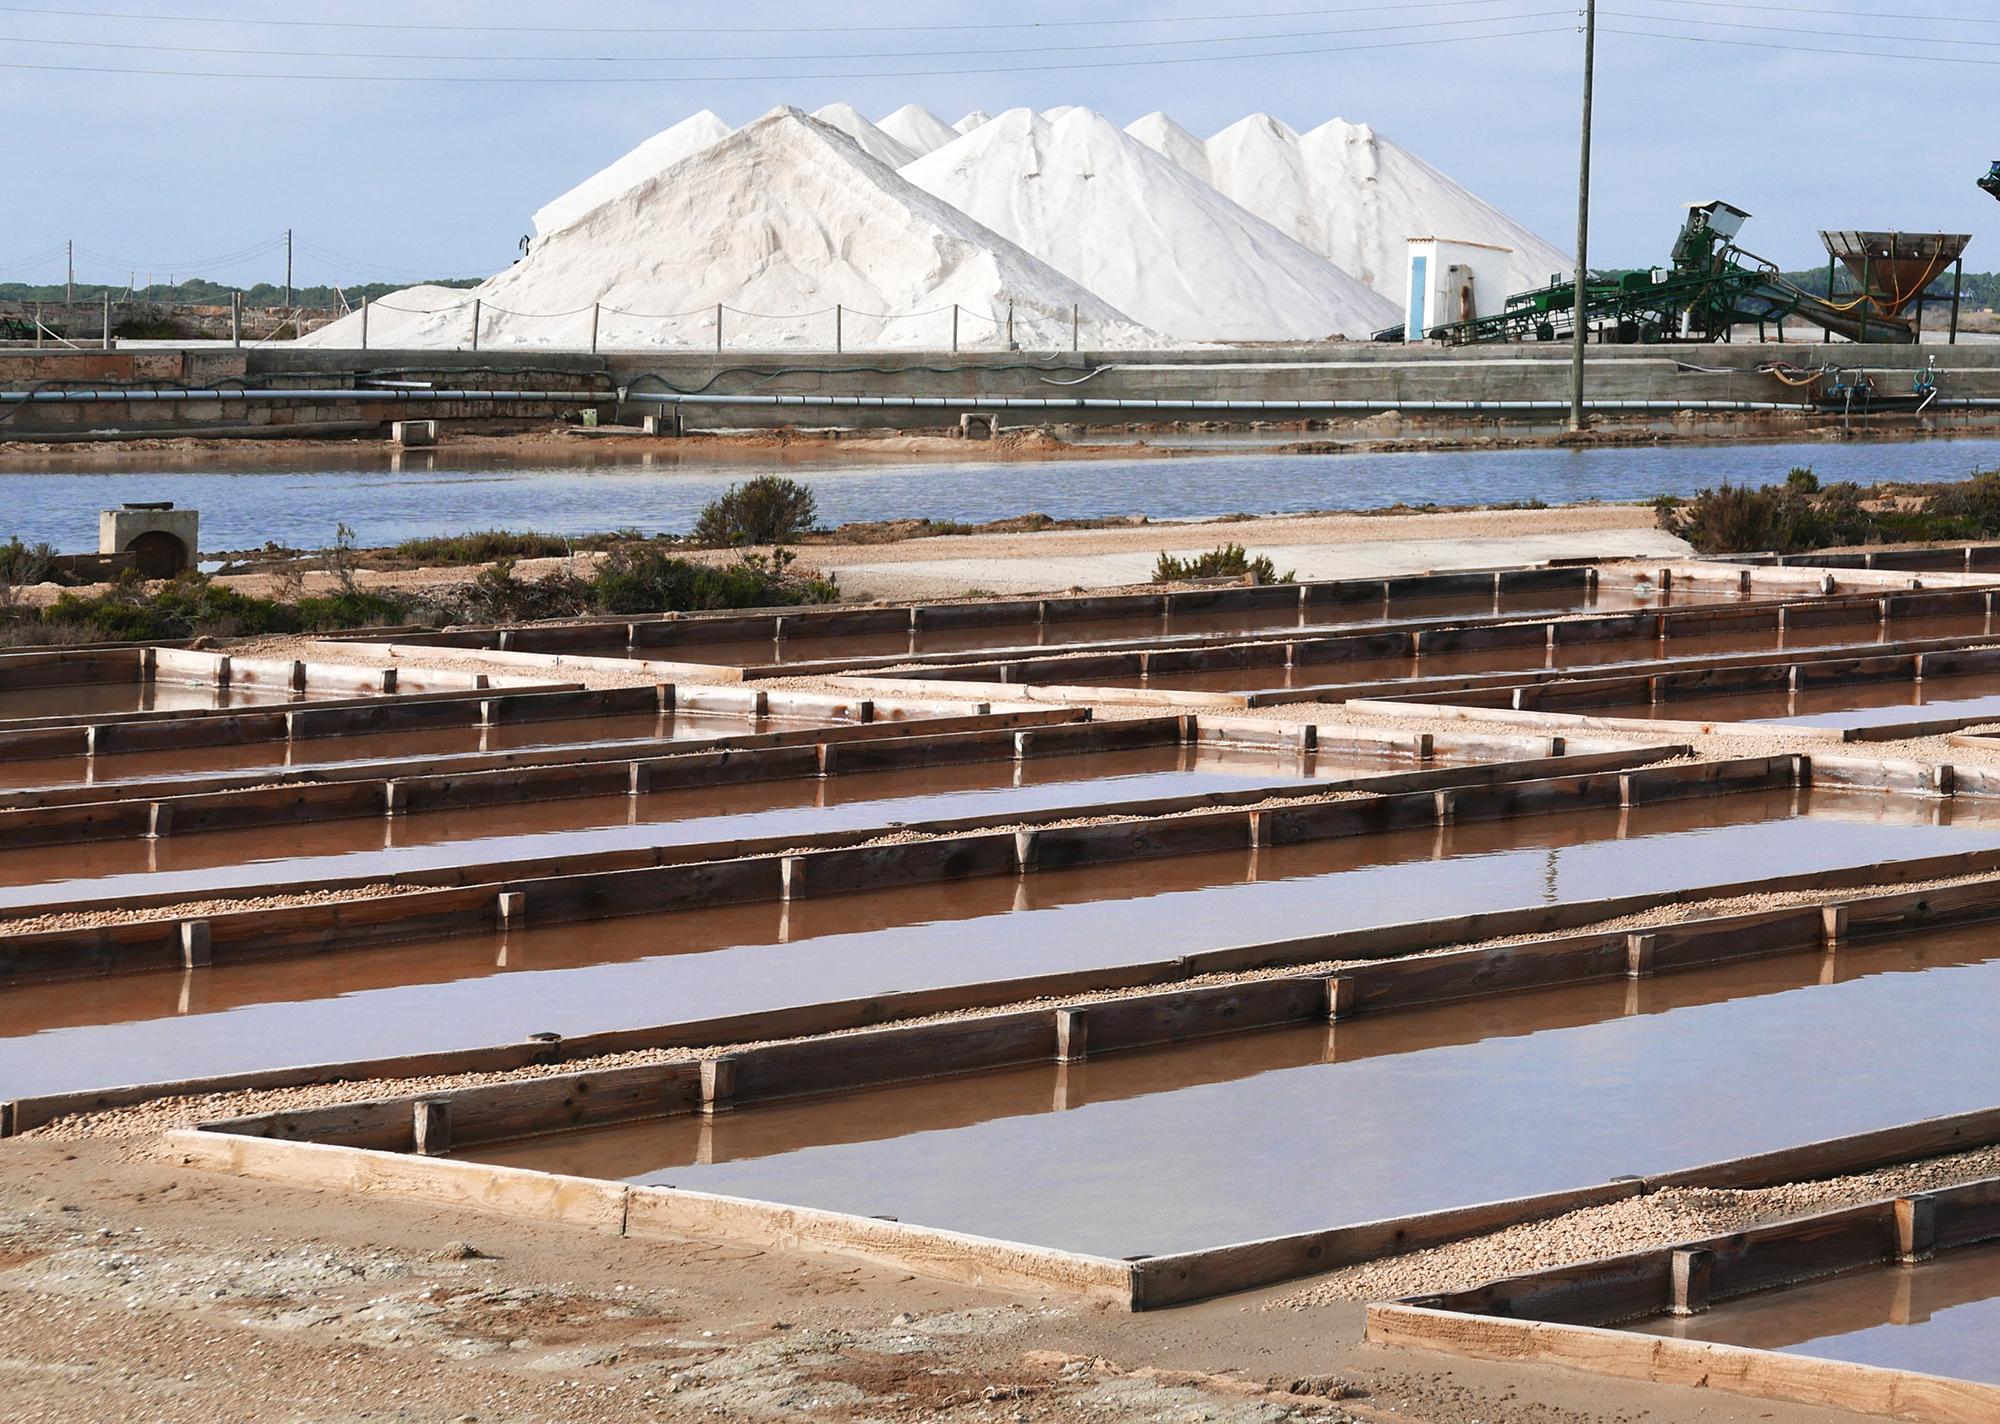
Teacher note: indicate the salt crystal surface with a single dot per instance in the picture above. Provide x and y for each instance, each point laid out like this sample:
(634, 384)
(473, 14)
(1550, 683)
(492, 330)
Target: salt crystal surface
(785, 217)
(1172, 142)
(657, 154)
(875, 143)
(1143, 233)
(1356, 199)
(917, 129)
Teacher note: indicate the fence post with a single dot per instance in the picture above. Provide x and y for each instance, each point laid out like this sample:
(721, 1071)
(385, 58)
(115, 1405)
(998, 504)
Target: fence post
(954, 326)
(1010, 326)
(236, 319)
(107, 320)
(364, 323)
(839, 320)
(593, 326)
(475, 323)
(1075, 327)
(718, 327)
(38, 326)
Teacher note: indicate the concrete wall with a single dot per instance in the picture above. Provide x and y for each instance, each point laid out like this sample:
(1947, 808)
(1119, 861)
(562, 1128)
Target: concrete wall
(1385, 373)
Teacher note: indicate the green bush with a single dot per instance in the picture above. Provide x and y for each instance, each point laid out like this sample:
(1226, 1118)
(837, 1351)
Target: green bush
(23, 564)
(1791, 518)
(768, 510)
(1229, 561)
(483, 546)
(649, 581)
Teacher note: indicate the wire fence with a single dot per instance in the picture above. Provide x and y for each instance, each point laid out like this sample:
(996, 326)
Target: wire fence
(722, 327)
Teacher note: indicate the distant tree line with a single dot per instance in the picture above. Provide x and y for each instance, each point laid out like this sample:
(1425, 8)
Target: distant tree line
(198, 291)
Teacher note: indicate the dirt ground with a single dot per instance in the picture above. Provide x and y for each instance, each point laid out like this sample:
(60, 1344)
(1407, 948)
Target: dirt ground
(132, 1289)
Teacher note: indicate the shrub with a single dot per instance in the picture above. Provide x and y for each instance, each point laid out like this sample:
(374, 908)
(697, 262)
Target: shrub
(23, 564)
(1786, 519)
(1229, 561)
(768, 510)
(649, 581)
(483, 546)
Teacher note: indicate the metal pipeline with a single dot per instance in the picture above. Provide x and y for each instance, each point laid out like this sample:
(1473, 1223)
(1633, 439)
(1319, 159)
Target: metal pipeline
(960, 403)
(269, 394)
(1280, 407)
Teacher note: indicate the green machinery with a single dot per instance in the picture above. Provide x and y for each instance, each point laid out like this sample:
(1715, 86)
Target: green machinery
(1713, 287)
(1991, 182)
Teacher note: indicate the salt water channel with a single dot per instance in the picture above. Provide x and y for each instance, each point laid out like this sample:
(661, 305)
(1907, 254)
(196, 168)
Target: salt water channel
(1376, 1117)
(672, 643)
(396, 753)
(572, 979)
(1858, 635)
(299, 499)
(1842, 705)
(801, 806)
(1937, 1317)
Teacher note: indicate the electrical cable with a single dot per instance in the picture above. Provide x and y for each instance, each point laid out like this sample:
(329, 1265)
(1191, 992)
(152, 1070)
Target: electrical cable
(1800, 49)
(656, 79)
(236, 52)
(681, 30)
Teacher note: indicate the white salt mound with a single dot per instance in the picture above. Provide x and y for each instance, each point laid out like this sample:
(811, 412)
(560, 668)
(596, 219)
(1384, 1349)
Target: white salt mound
(875, 143)
(787, 216)
(1143, 233)
(918, 129)
(657, 154)
(1356, 199)
(976, 119)
(1172, 142)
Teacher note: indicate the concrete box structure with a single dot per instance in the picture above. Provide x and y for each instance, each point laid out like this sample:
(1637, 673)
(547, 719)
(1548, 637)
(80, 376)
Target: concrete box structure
(413, 434)
(162, 540)
(1454, 281)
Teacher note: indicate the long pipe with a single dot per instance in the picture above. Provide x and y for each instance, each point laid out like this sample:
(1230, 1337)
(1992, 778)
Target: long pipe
(340, 393)
(983, 403)
(859, 402)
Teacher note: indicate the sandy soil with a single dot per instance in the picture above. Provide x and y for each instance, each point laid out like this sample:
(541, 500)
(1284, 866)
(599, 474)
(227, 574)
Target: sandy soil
(133, 1289)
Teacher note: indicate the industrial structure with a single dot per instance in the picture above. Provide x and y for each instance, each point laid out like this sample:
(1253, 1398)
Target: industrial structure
(1710, 287)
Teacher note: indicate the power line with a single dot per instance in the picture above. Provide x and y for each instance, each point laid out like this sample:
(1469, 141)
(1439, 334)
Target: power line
(1806, 49)
(236, 52)
(1806, 14)
(1794, 30)
(294, 77)
(406, 25)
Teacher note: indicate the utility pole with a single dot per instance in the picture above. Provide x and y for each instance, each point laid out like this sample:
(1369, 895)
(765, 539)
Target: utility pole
(288, 248)
(1580, 337)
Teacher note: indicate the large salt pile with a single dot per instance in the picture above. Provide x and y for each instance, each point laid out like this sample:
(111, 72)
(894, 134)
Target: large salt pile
(972, 121)
(1172, 142)
(1356, 199)
(918, 129)
(785, 217)
(873, 141)
(1143, 233)
(657, 154)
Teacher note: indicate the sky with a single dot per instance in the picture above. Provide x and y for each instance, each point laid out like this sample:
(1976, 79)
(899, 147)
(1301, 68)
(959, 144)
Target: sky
(199, 172)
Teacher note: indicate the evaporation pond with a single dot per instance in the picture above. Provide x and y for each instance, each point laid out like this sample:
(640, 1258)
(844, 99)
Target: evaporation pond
(700, 963)
(1268, 1133)
(423, 746)
(100, 699)
(1939, 1317)
(1535, 659)
(301, 853)
(803, 645)
(1840, 705)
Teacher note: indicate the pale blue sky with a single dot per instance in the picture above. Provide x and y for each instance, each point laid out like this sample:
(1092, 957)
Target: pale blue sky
(408, 179)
